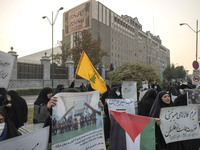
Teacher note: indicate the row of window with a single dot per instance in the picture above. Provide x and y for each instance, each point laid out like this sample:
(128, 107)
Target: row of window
(122, 23)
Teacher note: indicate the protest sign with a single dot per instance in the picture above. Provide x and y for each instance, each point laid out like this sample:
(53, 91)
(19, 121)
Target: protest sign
(129, 90)
(179, 123)
(6, 65)
(77, 122)
(193, 96)
(145, 85)
(37, 140)
(122, 105)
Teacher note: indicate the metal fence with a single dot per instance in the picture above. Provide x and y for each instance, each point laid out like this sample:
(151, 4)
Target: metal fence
(29, 71)
(59, 72)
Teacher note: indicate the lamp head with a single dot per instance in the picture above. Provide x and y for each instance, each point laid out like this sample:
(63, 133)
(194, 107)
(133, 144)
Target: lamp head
(182, 24)
(43, 17)
(61, 8)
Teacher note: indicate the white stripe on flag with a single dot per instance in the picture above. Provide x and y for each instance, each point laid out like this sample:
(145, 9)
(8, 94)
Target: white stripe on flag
(130, 145)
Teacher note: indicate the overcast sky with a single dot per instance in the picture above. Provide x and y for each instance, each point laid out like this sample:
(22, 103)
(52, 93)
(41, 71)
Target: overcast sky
(22, 26)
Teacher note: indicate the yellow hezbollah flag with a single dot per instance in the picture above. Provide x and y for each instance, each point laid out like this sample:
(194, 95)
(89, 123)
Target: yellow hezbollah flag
(87, 71)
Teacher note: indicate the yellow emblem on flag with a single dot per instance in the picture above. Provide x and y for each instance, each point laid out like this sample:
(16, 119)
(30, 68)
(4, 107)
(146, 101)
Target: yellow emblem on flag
(86, 70)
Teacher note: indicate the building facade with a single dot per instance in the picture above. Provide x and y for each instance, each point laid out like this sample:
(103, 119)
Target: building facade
(124, 40)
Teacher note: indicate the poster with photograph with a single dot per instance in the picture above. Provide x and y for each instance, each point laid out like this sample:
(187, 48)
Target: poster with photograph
(193, 97)
(129, 90)
(77, 122)
(179, 123)
(6, 66)
(37, 140)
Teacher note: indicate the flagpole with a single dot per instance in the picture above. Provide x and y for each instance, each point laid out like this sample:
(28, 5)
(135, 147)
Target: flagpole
(79, 62)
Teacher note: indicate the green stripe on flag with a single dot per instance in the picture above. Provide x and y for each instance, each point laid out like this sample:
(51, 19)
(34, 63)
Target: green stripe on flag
(147, 138)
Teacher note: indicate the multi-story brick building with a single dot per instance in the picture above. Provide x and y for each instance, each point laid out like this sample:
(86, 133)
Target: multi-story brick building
(124, 40)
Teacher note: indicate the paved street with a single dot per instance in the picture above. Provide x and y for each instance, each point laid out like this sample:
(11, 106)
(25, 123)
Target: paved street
(30, 99)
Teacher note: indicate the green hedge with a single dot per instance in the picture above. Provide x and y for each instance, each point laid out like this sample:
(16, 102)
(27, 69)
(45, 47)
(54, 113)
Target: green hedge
(29, 92)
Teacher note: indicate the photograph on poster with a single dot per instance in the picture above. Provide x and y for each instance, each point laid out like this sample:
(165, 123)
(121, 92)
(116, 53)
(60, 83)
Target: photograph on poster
(193, 97)
(75, 117)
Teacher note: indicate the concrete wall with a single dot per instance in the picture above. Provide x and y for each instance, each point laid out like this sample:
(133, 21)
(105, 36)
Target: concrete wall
(15, 83)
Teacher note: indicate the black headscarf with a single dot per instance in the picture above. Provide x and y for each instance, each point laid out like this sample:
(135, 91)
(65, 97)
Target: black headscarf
(19, 115)
(158, 104)
(3, 95)
(82, 87)
(59, 88)
(181, 100)
(173, 90)
(105, 95)
(42, 98)
(155, 112)
(157, 87)
(112, 94)
(189, 86)
(144, 106)
(89, 87)
(11, 129)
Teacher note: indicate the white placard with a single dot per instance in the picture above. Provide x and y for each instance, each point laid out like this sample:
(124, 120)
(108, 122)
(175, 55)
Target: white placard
(129, 90)
(77, 122)
(6, 65)
(145, 85)
(37, 140)
(179, 123)
(122, 105)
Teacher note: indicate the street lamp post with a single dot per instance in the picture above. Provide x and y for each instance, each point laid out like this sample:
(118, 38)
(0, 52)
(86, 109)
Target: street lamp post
(196, 35)
(52, 22)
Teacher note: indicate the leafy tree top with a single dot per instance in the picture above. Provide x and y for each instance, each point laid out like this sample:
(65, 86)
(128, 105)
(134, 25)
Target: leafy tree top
(172, 72)
(134, 72)
(92, 47)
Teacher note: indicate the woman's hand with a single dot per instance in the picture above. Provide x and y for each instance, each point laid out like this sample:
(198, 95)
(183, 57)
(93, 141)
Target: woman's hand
(158, 121)
(101, 104)
(52, 102)
(9, 105)
(106, 101)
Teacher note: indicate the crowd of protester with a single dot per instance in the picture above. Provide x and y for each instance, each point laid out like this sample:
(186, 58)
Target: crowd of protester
(14, 111)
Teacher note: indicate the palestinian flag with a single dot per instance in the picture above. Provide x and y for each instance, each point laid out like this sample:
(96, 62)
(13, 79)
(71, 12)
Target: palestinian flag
(131, 132)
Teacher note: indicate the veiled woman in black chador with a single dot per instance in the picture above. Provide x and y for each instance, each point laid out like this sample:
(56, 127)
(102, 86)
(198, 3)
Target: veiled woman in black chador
(144, 106)
(181, 100)
(41, 111)
(9, 130)
(44, 96)
(59, 88)
(116, 129)
(16, 108)
(162, 100)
